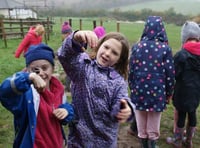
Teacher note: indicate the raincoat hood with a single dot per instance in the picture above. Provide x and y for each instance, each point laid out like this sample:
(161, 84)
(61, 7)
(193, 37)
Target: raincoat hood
(154, 30)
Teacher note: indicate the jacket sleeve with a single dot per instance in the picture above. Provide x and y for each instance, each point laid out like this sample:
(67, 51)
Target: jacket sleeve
(121, 93)
(22, 46)
(12, 90)
(70, 110)
(131, 72)
(179, 62)
(71, 57)
(170, 74)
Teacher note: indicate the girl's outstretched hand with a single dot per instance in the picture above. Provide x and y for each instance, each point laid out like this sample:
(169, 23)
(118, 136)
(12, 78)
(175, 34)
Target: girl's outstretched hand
(86, 36)
(125, 112)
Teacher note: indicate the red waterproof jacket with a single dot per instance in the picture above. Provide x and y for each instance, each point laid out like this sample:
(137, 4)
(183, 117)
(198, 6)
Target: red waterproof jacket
(31, 38)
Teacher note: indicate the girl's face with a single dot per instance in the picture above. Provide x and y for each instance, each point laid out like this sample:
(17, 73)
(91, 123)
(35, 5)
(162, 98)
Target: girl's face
(109, 52)
(43, 68)
(65, 35)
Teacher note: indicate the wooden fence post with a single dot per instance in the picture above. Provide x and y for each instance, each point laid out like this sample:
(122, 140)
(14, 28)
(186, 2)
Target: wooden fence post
(118, 27)
(10, 24)
(21, 28)
(94, 24)
(80, 24)
(101, 23)
(48, 30)
(45, 34)
(3, 32)
(1, 28)
(70, 22)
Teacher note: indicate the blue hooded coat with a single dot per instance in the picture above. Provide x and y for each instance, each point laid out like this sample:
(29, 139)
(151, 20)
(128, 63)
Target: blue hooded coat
(151, 68)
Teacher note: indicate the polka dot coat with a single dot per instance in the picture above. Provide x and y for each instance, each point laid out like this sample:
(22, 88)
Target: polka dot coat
(151, 68)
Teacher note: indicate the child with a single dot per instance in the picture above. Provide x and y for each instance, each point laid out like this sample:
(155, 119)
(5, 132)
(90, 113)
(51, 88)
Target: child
(66, 30)
(186, 93)
(99, 87)
(37, 101)
(99, 31)
(151, 79)
(33, 37)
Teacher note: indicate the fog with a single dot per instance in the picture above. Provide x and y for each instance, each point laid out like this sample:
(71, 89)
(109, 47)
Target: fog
(180, 6)
(78, 4)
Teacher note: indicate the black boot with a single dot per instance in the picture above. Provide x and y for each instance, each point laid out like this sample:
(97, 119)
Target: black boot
(144, 142)
(152, 144)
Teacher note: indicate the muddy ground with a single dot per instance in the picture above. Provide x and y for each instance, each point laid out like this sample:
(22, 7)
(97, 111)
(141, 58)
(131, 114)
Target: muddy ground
(125, 140)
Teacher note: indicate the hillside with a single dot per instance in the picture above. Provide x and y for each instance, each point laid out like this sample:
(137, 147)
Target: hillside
(180, 6)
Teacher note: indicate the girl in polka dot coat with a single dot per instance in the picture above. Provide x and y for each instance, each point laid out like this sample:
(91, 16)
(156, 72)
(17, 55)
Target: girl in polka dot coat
(151, 78)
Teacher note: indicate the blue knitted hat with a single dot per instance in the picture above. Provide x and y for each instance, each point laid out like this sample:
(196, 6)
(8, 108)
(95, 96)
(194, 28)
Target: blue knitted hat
(39, 52)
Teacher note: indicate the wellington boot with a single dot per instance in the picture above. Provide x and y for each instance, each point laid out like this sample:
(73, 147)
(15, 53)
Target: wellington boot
(176, 140)
(152, 144)
(189, 134)
(144, 142)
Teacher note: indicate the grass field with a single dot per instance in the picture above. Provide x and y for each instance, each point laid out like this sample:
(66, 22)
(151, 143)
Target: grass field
(9, 65)
(180, 6)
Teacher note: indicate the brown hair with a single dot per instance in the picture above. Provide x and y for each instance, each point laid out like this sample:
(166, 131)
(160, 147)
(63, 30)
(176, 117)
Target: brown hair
(122, 65)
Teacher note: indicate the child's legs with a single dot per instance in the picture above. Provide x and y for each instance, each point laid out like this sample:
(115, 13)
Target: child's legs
(141, 120)
(153, 125)
(192, 119)
(148, 124)
(175, 119)
(181, 119)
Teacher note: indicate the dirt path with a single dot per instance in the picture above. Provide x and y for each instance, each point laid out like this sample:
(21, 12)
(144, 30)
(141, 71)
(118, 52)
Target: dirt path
(126, 140)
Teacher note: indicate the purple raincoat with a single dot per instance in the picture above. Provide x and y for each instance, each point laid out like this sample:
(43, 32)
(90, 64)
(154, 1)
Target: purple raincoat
(96, 93)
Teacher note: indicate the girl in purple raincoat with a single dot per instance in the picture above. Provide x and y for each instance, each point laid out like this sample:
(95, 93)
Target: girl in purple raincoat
(99, 87)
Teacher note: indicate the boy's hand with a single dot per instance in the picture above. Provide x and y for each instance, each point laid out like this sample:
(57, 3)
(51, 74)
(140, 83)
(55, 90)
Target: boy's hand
(60, 113)
(38, 82)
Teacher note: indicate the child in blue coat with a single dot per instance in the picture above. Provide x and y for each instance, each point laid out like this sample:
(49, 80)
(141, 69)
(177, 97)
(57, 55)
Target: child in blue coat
(37, 101)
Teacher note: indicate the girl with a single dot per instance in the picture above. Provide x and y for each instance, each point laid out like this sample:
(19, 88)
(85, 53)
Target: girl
(151, 79)
(99, 88)
(66, 30)
(33, 37)
(186, 93)
(100, 31)
(36, 99)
